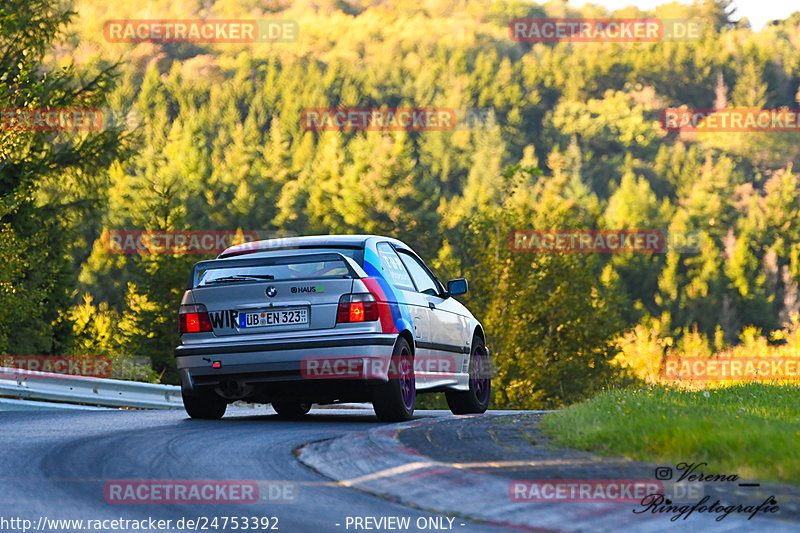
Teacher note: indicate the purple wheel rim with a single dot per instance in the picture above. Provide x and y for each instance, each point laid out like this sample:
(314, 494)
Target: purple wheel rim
(407, 381)
(480, 382)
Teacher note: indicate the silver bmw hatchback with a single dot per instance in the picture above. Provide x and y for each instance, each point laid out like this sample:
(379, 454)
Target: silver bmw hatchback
(324, 320)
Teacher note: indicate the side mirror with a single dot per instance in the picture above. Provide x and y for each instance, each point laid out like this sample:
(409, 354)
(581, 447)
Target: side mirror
(457, 286)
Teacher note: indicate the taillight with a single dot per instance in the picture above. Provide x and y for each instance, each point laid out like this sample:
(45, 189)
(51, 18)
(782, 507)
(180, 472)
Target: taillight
(357, 308)
(194, 319)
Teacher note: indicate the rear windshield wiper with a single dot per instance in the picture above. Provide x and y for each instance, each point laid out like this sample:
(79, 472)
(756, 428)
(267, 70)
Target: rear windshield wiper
(240, 277)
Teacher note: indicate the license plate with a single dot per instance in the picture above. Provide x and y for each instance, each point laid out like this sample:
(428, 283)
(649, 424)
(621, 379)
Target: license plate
(281, 317)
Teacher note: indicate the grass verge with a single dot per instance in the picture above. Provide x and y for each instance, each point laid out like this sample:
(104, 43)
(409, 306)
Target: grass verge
(751, 430)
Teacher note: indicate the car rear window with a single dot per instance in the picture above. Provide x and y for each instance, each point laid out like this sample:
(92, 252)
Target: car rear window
(285, 269)
(355, 253)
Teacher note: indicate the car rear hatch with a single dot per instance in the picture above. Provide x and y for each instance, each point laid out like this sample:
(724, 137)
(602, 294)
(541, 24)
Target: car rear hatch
(272, 294)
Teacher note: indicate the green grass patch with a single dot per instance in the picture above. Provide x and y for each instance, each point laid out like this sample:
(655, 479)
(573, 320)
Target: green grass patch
(752, 430)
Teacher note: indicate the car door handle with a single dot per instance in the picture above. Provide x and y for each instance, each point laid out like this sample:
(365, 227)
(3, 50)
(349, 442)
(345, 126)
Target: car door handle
(430, 304)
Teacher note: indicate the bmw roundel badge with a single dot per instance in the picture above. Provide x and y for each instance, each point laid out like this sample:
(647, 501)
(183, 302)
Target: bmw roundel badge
(271, 291)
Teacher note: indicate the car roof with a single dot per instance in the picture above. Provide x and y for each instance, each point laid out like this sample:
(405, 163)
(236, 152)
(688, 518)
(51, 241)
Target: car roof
(308, 241)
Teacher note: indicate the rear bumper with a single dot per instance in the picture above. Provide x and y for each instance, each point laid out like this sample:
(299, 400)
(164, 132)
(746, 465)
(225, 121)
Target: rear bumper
(265, 365)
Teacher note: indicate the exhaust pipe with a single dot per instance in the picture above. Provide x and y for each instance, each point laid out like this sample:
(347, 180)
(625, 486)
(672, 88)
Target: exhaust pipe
(232, 389)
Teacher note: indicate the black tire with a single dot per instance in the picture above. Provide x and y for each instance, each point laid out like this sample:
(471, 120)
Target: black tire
(476, 399)
(288, 409)
(393, 401)
(204, 406)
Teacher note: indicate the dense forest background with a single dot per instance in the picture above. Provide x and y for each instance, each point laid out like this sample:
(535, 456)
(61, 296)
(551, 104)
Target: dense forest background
(571, 140)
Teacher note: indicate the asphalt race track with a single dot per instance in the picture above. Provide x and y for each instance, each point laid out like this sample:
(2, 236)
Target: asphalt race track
(56, 465)
(337, 470)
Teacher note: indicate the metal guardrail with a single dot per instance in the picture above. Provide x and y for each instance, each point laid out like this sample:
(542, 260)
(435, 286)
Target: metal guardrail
(28, 384)
(14, 404)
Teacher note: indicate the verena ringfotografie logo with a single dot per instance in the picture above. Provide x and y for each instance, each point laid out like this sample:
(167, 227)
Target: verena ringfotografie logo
(731, 369)
(360, 367)
(198, 492)
(200, 31)
(603, 241)
(692, 481)
(175, 242)
(378, 119)
(598, 30)
(741, 119)
(66, 366)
